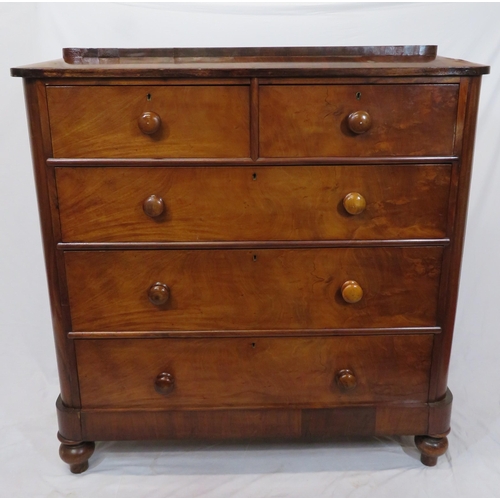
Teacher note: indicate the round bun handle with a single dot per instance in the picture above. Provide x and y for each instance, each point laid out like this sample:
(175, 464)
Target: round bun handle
(158, 294)
(346, 380)
(354, 203)
(149, 122)
(351, 292)
(164, 383)
(359, 122)
(153, 206)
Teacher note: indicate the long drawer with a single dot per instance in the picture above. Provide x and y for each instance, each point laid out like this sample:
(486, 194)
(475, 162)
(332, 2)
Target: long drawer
(253, 289)
(253, 372)
(191, 121)
(391, 120)
(253, 203)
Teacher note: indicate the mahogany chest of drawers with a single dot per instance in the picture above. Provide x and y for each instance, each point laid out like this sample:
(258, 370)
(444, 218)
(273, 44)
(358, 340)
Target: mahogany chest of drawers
(252, 243)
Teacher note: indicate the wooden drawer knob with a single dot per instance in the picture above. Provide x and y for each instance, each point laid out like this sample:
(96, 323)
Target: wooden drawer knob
(164, 383)
(354, 203)
(346, 380)
(359, 122)
(153, 206)
(149, 122)
(351, 292)
(159, 294)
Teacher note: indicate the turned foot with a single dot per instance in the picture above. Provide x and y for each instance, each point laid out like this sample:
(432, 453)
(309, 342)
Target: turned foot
(76, 454)
(431, 447)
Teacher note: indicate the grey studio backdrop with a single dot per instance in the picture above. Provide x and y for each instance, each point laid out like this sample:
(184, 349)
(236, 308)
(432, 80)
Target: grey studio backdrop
(29, 460)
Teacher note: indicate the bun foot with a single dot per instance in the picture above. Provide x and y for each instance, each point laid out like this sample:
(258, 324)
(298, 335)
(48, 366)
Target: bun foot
(76, 454)
(431, 447)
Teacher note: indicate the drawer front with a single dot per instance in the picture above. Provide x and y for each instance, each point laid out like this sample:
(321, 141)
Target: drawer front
(252, 289)
(252, 203)
(195, 121)
(253, 372)
(312, 120)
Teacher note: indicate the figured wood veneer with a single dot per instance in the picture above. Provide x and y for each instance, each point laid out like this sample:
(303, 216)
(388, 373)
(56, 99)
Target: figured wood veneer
(392, 53)
(253, 289)
(312, 120)
(252, 243)
(196, 121)
(252, 203)
(252, 373)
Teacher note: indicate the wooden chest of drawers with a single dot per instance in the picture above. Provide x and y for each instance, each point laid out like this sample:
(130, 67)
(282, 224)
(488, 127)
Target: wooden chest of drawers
(252, 243)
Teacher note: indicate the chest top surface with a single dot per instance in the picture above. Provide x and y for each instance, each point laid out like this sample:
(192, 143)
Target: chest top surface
(406, 60)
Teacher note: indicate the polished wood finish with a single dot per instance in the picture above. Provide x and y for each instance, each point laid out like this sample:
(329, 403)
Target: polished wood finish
(351, 292)
(158, 294)
(247, 372)
(440, 413)
(346, 380)
(252, 243)
(254, 424)
(76, 454)
(254, 203)
(106, 123)
(36, 106)
(246, 162)
(262, 62)
(368, 419)
(164, 383)
(69, 421)
(359, 122)
(431, 448)
(249, 244)
(232, 288)
(149, 122)
(110, 55)
(311, 120)
(153, 206)
(354, 203)
(324, 332)
(450, 285)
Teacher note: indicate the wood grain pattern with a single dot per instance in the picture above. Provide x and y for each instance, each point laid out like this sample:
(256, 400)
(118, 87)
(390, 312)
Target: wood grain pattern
(49, 222)
(235, 289)
(302, 121)
(440, 413)
(442, 348)
(398, 418)
(393, 53)
(196, 121)
(202, 424)
(251, 244)
(69, 421)
(324, 332)
(202, 212)
(362, 420)
(253, 203)
(261, 62)
(250, 372)
(246, 162)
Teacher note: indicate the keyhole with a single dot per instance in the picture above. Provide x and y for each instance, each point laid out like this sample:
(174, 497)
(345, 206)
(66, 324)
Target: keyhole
(254, 258)
(253, 345)
(148, 97)
(254, 176)
(358, 95)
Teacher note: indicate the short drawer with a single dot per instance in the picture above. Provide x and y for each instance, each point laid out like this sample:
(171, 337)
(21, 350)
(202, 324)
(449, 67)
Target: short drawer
(253, 372)
(210, 290)
(253, 203)
(313, 120)
(194, 121)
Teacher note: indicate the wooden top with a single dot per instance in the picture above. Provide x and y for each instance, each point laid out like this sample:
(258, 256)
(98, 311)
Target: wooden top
(408, 60)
